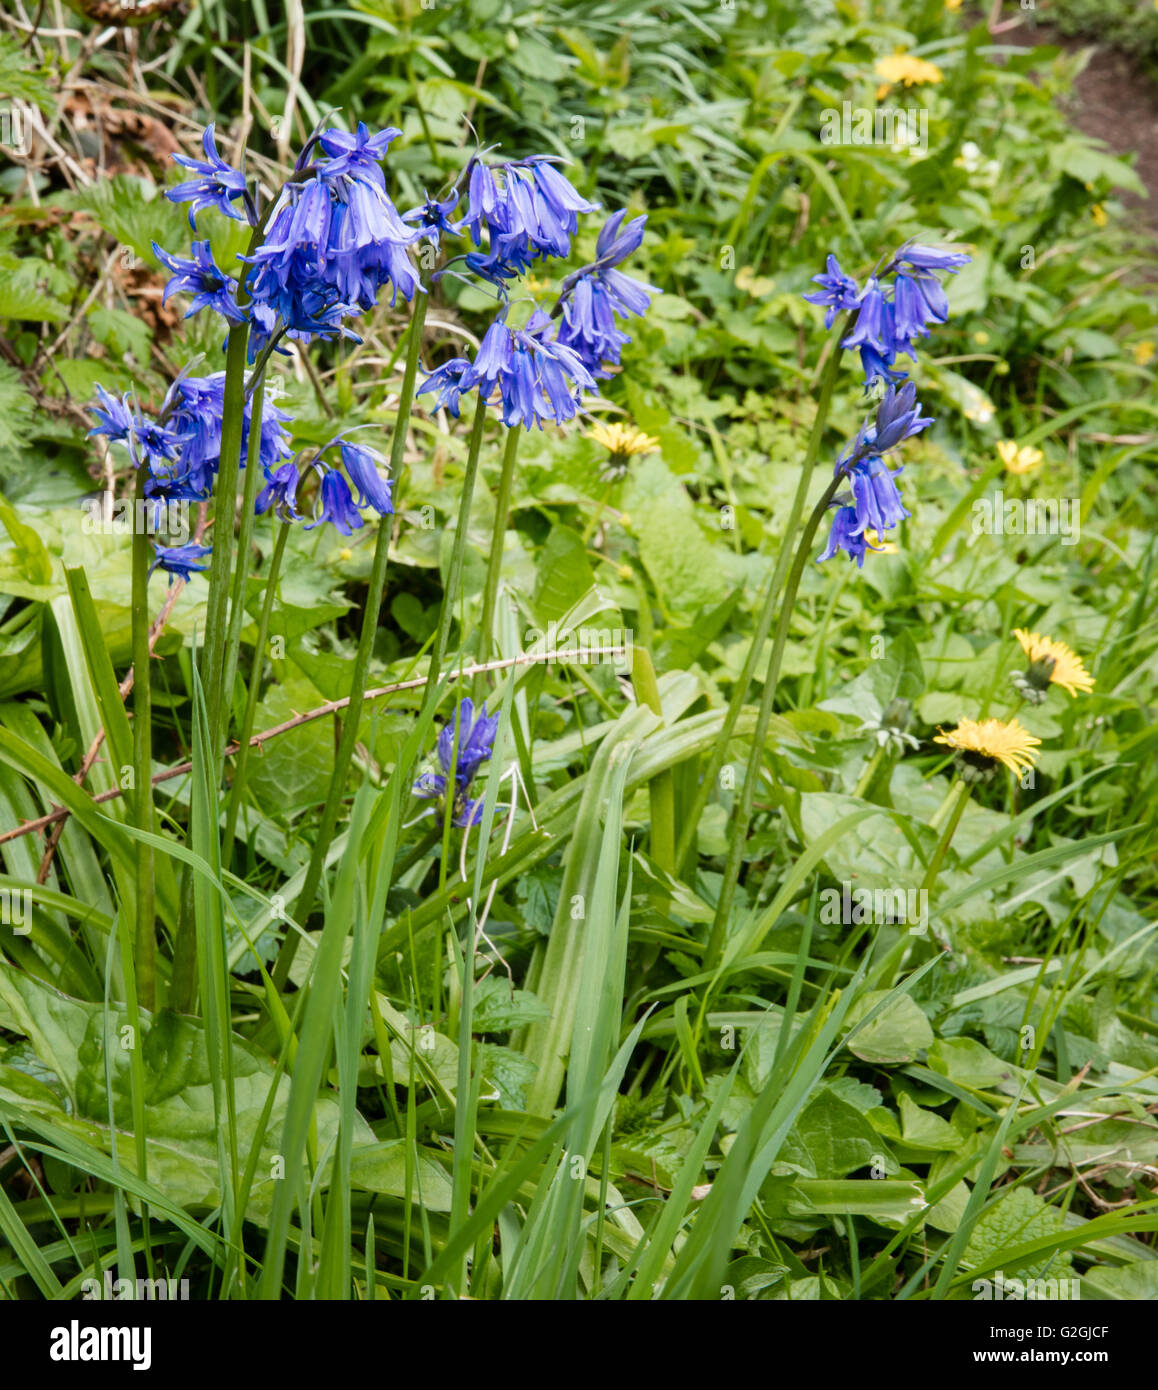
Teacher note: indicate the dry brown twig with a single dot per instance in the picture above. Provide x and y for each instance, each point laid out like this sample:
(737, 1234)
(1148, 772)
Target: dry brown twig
(332, 707)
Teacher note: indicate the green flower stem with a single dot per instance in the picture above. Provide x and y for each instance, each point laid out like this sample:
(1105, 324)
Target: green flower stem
(950, 811)
(458, 554)
(216, 630)
(253, 477)
(768, 611)
(228, 471)
(738, 833)
(361, 670)
(937, 819)
(866, 777)
(221, 564)
(495, 559)
(220, 569)
(237, 791)
(145, 946)
(600, 508)
(661, 788)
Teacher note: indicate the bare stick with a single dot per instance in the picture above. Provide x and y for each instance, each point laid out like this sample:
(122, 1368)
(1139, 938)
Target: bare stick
(332, 707)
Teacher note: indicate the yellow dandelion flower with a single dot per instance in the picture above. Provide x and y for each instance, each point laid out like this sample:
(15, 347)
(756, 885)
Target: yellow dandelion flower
(1144, 350)
(1098, 213)
(877, 542)
(954, 5)
(1023, 460)
(991, 740)
(903, 67)
(756, 285)
(536, 285)
(1050, 663)
(621, 442)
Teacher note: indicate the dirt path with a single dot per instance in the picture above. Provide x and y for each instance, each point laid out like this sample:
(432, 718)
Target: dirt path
(1116, 101)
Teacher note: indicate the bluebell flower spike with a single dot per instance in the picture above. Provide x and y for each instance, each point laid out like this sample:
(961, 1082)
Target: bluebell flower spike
(475, 736)
(181, 561)
(203, 278)
(217, 184)
(847, 535)
(838, 293)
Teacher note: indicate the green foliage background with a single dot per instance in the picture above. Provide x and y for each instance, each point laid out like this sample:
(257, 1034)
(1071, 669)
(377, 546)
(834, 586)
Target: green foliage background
(921, 1110)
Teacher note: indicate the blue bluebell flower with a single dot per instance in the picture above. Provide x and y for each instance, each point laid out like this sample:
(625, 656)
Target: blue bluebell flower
(433, 216)
(334, 241)
(590, 298)
(115, 418)
(181, 561)
(155, 446)
(529, 211)
(201, 277)
(879, 367)
(839, 291)
(181, 448)
(873, 324)
(932, 258)
(447, 381)
(885, 327)
(917, 301)
(475, 736)
(217, 185)
(492, 360)
(152, 444)
(895, 308)
(536, 375)
(359, 155)
(336, 505)
(196, 405)
(482, 192)
(280, 492)
(366, 246)
(562, 376)
(898, 418)
(361, 465)
(545, 377)
(848, 535)
(877, 499)
(288, 267)
(589, 327)
(558, 193)
(495, 267)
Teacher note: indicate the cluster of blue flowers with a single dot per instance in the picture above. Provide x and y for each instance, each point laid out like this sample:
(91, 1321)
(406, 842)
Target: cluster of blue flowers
(337, 503)
(875, 503)
(887, 323)
(883, 329)
(475, 737)
(180, 449)
(541, 370)
(333, 240)
(328, 246)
